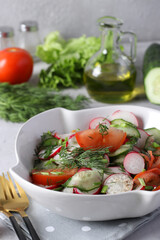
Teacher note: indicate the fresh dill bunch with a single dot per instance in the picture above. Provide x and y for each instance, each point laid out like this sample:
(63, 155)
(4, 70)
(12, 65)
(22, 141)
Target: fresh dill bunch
(79, 157)
(20, 102)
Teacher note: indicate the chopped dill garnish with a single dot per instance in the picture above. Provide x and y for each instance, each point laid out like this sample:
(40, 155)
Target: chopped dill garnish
(91, 158)
(103, 129)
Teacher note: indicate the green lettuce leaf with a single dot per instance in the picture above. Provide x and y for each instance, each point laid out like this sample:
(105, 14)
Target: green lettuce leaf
(67, 59)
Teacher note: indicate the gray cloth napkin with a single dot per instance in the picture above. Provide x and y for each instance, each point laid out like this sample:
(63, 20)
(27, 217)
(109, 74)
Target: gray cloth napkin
(51, 226)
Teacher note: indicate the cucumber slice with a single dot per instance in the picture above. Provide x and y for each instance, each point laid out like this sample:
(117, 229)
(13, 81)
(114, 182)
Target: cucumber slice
(151, 84)
(149, 143)
(151, 73)
(120, 121)
(119, 160)
(155, 133)
(122, 150)
(86, 180)
(123, 125)
(45, 165)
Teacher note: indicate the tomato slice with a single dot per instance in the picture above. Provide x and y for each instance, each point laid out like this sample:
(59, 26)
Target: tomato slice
(52, 176)
(114, 139)
(92, 138)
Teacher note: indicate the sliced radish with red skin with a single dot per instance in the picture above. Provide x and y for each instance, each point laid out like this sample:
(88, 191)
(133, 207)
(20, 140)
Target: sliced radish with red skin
(92, 192)
(142, 140)
(53, 153)
(112, 170)
(94, 123)
(106, 157)
(71, 136)
(125, 115)
(118, 183)
(56, 135)
(67, 190)
(62, 136)
(84, 169)
(51, 187)
(72, 142)
(136, 149)
(134, 163)
(57, 159)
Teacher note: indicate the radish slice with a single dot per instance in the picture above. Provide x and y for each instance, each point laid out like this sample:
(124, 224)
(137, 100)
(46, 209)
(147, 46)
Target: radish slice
(112, 170)
(139, 187)
(54, 152)
(134, 163)
(62, 136)
(72, 142)
(94, 123)
(108, 160)
(68, 190)
(125, 115)
(136, 149)
(84, 169)
(142, 140)
(57, 159)
(92, 192)
(118, 183)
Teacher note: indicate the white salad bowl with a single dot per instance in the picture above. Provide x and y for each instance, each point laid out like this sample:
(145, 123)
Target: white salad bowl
(131, 204)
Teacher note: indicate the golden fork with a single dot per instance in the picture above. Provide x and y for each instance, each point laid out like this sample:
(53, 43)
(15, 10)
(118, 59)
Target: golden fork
(17, 202)
(15, 225)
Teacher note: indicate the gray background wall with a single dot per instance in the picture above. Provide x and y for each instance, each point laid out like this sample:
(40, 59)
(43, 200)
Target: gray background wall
(76, 17)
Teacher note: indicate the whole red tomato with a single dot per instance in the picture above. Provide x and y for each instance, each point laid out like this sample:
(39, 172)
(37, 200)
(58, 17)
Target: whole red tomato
(16, 65)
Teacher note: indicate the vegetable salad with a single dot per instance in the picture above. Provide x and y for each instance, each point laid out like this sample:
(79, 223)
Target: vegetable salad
(113, 155)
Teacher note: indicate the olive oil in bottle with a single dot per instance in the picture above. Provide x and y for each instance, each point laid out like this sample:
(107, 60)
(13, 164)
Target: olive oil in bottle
(110, 83)
(110, 73)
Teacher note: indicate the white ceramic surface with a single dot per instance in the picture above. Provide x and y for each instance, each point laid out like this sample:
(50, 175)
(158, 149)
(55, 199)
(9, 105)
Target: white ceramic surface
(80, 207)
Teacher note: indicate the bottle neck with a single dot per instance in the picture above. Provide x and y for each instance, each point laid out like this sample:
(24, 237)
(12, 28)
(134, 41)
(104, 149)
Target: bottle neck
(109, 38)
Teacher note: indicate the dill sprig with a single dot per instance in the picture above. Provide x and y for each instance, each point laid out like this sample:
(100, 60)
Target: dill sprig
(20, 102)
(103, 129)
(91, 158)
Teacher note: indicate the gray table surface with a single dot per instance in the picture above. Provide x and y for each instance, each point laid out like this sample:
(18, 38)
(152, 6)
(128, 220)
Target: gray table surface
(8, 131)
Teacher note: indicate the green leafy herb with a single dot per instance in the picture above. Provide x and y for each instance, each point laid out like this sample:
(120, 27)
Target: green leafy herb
(84, 158)
(103, 129)
(20, 102)
(67, 58)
